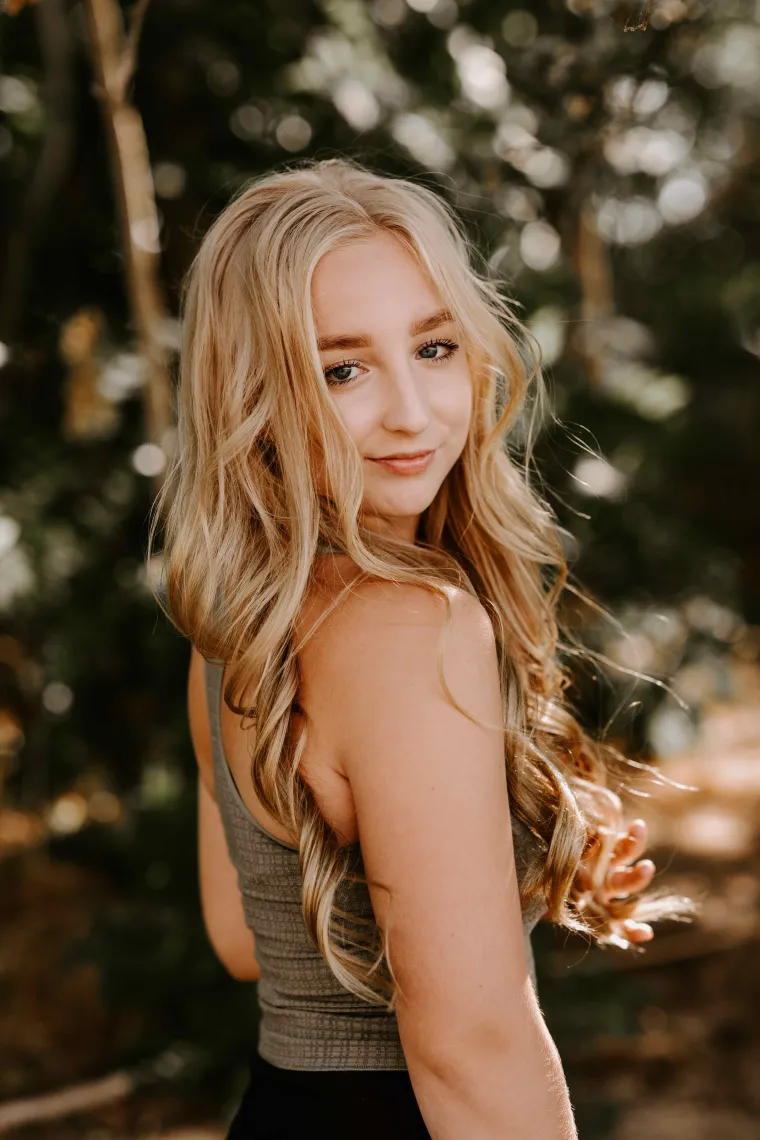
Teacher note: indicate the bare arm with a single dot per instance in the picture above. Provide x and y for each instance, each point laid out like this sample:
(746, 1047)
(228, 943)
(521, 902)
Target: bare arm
(221, 902)
(432, 807)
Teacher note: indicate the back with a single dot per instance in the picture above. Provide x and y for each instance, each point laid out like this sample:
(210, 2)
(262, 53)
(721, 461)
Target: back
(308, 1020)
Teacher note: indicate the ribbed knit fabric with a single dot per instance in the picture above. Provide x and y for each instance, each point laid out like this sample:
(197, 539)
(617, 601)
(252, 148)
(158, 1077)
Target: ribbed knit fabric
(308, 1020)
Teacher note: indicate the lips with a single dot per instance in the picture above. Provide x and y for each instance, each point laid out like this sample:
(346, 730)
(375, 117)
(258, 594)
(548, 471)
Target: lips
(407, 464)
(405, 455)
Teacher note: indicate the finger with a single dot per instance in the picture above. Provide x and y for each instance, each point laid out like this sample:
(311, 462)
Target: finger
(630, 880)
(621, 881)
(631, 843)
(637, 931)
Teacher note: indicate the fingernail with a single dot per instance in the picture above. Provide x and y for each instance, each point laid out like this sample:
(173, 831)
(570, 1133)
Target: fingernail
(638, 827)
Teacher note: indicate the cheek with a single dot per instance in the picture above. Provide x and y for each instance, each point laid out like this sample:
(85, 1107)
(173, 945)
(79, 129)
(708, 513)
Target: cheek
(456, 403)
(359, 418)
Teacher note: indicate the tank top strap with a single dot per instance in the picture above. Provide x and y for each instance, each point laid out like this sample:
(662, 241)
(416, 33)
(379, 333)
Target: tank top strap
(214, 676)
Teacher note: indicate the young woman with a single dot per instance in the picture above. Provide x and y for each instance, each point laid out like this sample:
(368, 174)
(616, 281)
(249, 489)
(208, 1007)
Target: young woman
(393, 789)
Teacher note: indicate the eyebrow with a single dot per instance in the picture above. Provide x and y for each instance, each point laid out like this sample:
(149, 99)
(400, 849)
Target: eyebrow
(362, 340)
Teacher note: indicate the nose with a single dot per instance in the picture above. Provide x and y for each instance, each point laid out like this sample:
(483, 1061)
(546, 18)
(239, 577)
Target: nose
(406, 405)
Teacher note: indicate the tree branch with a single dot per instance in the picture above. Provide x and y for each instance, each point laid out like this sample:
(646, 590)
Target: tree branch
(643, 19)
(114, 56)
(591, 259)
(131, 44)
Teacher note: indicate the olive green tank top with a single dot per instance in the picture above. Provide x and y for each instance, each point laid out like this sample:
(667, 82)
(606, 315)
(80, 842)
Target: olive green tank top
(308, 1020)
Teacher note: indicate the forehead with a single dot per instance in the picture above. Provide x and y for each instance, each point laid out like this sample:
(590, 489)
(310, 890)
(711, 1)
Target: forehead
(369, 283)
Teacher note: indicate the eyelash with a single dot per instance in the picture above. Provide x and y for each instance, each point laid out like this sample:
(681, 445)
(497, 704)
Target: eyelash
(449, 344)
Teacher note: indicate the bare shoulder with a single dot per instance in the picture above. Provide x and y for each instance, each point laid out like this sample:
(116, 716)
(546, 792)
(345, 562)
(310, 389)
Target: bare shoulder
(376, 612)
(377, 653)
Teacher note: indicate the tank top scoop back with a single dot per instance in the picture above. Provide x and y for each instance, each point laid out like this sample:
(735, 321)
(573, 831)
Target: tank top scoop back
(308, 1020)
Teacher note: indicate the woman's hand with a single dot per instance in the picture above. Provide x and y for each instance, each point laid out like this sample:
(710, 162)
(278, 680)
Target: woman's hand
(627, 874)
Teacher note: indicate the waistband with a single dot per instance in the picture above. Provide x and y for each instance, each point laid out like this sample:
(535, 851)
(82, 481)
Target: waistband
(308, 1039)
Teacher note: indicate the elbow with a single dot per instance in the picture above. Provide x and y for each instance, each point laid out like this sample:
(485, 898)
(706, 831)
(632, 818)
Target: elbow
(495, 1077)
(239, 961)
(455, 1056)
(454, 1059)
(246, 970)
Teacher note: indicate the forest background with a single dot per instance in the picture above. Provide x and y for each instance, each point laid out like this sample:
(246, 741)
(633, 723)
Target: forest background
(606, 159)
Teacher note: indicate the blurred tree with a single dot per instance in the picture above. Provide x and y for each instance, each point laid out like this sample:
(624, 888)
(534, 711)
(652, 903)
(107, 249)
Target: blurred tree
(609, 177)
(114, 52)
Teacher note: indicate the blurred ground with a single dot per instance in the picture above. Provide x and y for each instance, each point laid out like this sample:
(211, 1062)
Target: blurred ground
(689, 1072)
(611, 181)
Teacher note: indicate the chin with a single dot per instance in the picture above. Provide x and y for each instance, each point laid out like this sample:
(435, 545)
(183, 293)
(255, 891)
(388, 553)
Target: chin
(402, 506)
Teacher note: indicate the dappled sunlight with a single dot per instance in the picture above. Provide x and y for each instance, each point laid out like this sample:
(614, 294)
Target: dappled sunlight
(608, 181)
(703, 835)
(19, 830)
(720, 818)
(712, 831)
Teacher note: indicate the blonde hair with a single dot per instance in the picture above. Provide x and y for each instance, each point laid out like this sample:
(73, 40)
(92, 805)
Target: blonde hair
(243, 520)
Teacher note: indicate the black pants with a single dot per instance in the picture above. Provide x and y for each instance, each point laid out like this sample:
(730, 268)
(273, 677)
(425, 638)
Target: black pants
(286, 1104)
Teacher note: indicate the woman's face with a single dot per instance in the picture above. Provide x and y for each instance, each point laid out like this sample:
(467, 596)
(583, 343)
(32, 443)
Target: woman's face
(396, 372)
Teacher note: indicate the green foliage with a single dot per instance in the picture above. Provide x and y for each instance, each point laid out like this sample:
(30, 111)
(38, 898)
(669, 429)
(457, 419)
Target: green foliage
(538, 121)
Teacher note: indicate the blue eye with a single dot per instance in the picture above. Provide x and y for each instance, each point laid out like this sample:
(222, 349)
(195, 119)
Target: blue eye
(341, 373)
(447, 344)
(336, 373)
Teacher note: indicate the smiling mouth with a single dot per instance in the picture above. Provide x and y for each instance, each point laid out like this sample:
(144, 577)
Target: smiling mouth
(404, 455)
(407, 465)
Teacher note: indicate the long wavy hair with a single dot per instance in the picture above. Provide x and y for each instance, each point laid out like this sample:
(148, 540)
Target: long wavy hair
(243, 521)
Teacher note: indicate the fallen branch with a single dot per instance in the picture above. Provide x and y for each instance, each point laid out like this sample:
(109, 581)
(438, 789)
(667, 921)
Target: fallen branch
(76, 1098)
